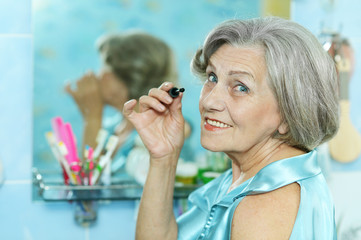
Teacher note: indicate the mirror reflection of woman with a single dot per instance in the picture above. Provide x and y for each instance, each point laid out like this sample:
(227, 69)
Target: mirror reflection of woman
(269, 99)
(132, 63)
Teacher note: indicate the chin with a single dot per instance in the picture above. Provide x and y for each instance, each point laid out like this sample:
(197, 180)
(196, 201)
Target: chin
(213, 147)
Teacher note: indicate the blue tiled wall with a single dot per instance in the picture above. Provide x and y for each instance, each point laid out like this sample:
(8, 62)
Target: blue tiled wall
(15, 17)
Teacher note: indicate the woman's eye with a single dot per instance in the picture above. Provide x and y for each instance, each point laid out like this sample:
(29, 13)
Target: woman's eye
(212, 77)
(242, 88)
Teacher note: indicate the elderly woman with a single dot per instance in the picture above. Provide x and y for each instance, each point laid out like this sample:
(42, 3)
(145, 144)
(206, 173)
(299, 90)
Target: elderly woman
(268, 100)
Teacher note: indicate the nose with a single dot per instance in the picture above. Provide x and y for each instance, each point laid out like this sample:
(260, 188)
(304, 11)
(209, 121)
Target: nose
(213, 99)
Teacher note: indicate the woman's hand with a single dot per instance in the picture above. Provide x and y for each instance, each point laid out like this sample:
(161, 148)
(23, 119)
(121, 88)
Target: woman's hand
(87, 96)
(159, 122)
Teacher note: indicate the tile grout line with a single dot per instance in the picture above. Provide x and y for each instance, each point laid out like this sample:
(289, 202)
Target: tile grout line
(11, 35)
(17, 182)
(87, 233)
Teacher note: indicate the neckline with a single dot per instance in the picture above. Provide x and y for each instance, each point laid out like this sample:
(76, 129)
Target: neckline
(287, 171)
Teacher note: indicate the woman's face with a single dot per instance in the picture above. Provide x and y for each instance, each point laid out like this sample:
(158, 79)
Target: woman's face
(238, 110)
(114, 92)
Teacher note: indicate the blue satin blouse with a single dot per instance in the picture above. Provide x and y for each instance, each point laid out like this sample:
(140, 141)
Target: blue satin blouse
(211, 208)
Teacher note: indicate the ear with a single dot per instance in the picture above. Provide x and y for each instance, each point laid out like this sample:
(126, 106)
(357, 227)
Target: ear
(283, 128)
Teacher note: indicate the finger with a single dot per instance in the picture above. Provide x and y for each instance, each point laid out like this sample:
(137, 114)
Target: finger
(88, 74)
(87, 79)
(68, 89)
(91, 77)
(83, 82)
(80, 82)
(166, 86)
(161, 95)
(147, 102)
(128, 108)
(176, 107)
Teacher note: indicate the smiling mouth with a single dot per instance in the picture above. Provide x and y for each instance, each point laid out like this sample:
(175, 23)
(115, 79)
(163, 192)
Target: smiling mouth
(216, 124)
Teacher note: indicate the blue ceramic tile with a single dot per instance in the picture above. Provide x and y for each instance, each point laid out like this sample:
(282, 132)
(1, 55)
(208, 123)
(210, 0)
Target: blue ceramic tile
(341, 17)
(22, 219)
(116, 220)
(309, 14)
(15, 106)
(15, 16)
(347, 15)
(355, 85)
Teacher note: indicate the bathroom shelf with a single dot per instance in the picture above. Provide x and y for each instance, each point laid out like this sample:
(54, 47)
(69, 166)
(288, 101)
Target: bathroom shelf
(48, 186)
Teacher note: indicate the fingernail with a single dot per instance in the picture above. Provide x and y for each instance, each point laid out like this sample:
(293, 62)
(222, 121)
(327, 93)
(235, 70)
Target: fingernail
(168, 99)
(161, 108)
(128, 101)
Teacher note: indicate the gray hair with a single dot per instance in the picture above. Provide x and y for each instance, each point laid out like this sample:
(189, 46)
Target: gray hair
(138, 59)
(301, 75)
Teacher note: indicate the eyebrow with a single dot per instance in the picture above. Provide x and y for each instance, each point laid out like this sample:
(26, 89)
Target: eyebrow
(238, 72)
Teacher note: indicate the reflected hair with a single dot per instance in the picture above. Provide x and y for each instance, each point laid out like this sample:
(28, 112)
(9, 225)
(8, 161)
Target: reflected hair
(301, 74)
(138, 59)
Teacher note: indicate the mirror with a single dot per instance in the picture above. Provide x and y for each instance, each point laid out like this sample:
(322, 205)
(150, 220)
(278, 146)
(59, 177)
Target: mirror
(65, 36)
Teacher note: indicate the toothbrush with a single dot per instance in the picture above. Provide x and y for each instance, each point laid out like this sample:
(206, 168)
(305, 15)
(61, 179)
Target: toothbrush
(57, 125)
(107, 171)
(104, 159)
(63, 151)
(63, 133)
(50, 138)
(54, 149)
(101, 138)
(70, 143)
(85, 169)
(89, 165)
(90, 153)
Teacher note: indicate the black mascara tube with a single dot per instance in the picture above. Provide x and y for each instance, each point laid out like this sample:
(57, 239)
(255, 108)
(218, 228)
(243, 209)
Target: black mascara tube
(174, 92)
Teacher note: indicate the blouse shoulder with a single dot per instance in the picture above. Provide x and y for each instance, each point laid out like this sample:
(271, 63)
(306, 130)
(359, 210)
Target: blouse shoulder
(206, 195)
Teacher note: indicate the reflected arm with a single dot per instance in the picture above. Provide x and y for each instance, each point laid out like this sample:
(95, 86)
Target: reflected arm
(90, 132)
